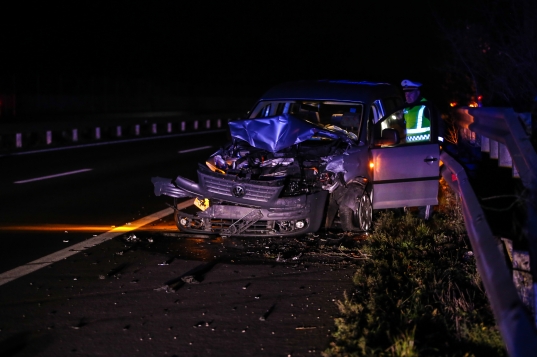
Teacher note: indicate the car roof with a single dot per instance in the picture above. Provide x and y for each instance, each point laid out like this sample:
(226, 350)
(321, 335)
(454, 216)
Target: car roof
(344, 90)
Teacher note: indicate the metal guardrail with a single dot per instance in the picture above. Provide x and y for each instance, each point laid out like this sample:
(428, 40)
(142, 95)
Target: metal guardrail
(16, 138)
(517, 326)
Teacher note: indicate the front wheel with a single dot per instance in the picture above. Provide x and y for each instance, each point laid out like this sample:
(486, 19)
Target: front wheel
(359, 219)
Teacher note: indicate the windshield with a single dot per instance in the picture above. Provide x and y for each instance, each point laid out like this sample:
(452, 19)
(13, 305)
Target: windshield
(343, 114)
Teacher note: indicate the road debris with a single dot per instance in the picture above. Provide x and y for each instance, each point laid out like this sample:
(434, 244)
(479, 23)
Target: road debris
(116, 272)
(83, 322)
(132, 238)
(265, 316)
(190, 279)
(168, 261)
(193, 276)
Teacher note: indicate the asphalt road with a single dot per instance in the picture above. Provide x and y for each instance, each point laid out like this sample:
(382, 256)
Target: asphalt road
(151, 291)
(37, 216)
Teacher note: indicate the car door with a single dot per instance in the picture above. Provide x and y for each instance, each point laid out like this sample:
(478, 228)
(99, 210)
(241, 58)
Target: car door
(405, 166)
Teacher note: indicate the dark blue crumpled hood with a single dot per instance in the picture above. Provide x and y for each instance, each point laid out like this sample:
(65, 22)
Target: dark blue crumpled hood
(280, 132)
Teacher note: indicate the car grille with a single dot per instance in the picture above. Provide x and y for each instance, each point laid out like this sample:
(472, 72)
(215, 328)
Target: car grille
(252, 192)
(259, 227)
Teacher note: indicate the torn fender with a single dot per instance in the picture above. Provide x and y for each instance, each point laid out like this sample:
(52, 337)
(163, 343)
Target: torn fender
(165, 186)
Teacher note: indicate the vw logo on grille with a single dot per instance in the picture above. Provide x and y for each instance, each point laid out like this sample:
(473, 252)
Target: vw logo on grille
(238, 191)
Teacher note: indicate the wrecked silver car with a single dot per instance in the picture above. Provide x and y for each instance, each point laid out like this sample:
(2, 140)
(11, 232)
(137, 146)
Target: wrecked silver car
(309, 154)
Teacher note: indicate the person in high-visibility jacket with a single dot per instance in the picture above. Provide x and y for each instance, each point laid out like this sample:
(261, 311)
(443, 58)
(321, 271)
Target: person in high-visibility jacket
(418, 123)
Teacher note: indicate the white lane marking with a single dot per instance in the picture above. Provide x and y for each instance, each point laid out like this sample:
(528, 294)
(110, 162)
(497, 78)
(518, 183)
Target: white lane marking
(53, 176)
(195, 149)
(89, 243)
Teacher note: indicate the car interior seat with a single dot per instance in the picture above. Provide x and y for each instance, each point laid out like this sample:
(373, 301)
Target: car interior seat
(347, 120)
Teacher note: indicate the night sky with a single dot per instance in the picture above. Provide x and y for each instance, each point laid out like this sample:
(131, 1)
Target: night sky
(224, 42)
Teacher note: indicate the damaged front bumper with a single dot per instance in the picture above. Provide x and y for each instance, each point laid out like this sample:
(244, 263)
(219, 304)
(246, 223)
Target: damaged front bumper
(241, 207)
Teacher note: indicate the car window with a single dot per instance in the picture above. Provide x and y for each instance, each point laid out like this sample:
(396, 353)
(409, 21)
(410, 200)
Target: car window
(347, 115)
(412, 124)
(391, 104)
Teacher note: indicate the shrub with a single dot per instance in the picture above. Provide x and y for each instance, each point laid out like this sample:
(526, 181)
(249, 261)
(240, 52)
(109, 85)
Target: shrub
(419, 293)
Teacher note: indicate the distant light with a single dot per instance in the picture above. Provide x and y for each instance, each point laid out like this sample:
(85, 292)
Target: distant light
(452, 104)
(371, 164)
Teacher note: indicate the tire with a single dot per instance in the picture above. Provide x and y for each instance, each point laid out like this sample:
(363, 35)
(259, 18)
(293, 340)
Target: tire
(359, 220)
(363, 217)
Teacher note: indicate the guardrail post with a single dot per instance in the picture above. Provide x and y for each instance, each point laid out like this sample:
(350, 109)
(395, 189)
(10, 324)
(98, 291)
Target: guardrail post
(485, 144)
(169, 128)
(18, 140)
(75, 135)
(48, 137)
(515, 172)
(493, 149)
(196, 125)
(154, 128)
(504, 159)
(208, 124)
(183, 126)
(98, 133)
(219, 123)
(137, 130)
(118, 131)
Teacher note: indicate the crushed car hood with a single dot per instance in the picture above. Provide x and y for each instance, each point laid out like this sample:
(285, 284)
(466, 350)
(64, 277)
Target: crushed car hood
(282, 131)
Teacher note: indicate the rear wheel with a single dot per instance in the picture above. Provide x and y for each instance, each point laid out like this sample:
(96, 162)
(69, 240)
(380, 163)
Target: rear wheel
(359, 219)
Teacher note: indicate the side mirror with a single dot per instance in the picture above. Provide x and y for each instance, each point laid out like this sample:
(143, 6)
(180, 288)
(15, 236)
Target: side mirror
(389, 137)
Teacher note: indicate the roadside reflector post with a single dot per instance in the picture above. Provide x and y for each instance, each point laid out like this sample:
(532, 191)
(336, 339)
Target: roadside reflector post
(485, 144)
(504, 158)
(219, 123)
(183, 126)
(517, 175)
(208, 124)
(118, 131)
(169, 127)
(196, 125)
(97, 133)
(18, 140)
(48, 137)
(493, 149)
(75, 135)
(154, 128)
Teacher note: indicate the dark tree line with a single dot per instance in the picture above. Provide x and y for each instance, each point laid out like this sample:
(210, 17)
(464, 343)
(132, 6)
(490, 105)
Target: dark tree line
(493, 46)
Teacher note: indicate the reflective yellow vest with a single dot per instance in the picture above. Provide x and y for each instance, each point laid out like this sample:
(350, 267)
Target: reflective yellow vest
(418, 125)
